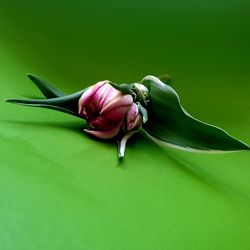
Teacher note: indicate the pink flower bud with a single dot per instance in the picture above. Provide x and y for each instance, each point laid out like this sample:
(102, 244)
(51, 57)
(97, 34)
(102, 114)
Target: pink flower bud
(133, 119)
(131, 125)
(108, 111)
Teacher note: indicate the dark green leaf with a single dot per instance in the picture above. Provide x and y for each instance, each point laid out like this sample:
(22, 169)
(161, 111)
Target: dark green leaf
(67, 103)
(124, 88)
(143, 112)
(44, 106)
(171, 125)
(46, 88)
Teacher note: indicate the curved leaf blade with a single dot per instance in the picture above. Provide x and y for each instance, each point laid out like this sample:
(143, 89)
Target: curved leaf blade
(170, 124)
(48, 90)
(57, 108)
(124, 87)
(67, 103)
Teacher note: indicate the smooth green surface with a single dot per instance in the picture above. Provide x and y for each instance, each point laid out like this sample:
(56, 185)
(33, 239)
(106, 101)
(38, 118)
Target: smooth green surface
(62, 190)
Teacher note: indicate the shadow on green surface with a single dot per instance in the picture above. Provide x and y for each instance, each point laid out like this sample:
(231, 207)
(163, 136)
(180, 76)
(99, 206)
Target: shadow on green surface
(69, 125)
(185, 164)
(200, 173)
(73, 126)
(197, 172)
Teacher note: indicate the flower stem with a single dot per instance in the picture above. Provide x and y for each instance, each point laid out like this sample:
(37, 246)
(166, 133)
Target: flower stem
(122, 144)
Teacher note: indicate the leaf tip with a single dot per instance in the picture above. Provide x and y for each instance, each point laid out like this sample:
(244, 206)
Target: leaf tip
(240, 146)
(246, 147)
(31, 76)
(8, 100)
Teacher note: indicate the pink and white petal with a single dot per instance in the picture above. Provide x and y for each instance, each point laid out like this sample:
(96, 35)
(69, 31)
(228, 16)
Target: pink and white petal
(118, 101)
(88, 94)
(117, 114)
(100, 94)
(133, 112)
(104, 134)
(137, 123)
(131, 116)
(108, 95)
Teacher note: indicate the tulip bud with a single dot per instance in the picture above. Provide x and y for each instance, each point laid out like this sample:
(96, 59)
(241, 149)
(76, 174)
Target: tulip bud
(131, 125)
(118, 111)
(108, 111)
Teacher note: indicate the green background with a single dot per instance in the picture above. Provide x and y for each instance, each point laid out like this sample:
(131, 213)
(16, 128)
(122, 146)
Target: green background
(60, 189)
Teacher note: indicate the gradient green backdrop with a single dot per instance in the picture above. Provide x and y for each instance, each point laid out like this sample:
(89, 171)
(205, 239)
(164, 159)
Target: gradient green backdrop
(60, 189)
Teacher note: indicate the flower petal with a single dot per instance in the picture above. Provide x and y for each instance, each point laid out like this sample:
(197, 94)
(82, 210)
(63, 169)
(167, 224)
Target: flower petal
(117, 114)
(118, 101)
(133, 119)
(88, 94)
(104, 134)
(100, 95)
(107, 96)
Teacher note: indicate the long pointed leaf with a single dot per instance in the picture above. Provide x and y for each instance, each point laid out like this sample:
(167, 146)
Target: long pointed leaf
(57, 108)
(67, 103)
(46, 88)
(170, 124)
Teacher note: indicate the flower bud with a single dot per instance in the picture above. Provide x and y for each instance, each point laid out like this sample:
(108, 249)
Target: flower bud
(131, 125)
(133, 119)
(106, 109)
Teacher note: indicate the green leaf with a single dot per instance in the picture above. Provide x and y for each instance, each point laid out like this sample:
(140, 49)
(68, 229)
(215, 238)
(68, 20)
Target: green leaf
(46, 88)
(57, 108)
(124, 87)
(67, 103)
(169, 124)
(143, 113)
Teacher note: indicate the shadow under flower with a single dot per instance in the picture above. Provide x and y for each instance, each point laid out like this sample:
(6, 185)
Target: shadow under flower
(190, 168)
(76, 127)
